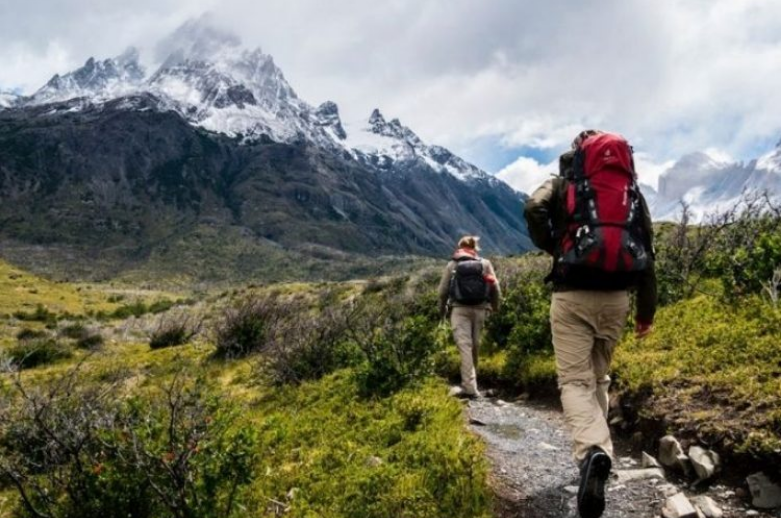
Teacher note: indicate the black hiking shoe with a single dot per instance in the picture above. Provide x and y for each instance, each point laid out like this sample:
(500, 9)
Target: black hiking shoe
(594, 471)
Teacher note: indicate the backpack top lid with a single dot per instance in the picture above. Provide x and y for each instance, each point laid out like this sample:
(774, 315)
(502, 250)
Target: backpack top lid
(607, 151)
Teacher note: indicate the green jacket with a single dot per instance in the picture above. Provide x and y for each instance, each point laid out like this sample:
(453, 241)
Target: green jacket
(546, 216)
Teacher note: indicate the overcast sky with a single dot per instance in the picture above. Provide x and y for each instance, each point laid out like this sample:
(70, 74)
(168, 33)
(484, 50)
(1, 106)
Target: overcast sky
(504, 83)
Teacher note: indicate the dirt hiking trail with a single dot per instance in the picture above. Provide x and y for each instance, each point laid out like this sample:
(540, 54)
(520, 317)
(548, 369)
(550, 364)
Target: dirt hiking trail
(534, 476)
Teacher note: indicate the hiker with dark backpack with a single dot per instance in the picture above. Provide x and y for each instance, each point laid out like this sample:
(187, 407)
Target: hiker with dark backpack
(595, 223)
(468, 289)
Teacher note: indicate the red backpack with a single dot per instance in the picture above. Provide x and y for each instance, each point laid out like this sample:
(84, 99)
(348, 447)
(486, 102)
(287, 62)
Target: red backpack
(604, 230)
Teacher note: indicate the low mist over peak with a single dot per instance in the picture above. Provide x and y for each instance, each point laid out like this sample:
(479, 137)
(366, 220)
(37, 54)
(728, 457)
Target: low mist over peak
(197, 39)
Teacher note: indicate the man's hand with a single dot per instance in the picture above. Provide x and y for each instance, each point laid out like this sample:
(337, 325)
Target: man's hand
(643, 329)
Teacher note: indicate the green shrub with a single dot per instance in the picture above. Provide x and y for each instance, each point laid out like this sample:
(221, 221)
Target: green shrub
(307, 345)
(174, 330)
(41, 314)
(75, 331)
(35, 352)
(31, 334)
(396, 352)
(159, 306)
(135, 309)
(245, 328)
(178, 452)
(90, 341)
(747, 270)
(521, 327)
(740, 246)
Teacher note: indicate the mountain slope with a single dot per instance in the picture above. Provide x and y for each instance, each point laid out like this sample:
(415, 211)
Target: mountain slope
(105, 163)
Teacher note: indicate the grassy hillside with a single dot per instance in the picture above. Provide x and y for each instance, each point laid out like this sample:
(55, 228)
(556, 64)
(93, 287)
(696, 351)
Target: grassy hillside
(302, 399)
(328, 399)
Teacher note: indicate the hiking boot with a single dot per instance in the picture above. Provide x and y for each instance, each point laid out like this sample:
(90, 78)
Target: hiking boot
(594, 471)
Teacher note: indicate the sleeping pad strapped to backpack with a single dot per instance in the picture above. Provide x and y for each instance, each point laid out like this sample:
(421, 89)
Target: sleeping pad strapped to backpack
(604, 229)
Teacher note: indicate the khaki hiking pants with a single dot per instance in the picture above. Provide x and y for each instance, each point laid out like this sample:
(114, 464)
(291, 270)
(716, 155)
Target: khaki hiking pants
(586, 326)
(467, 323)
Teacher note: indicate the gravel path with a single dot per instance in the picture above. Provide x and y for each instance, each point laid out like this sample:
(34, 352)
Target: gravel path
(534, 475)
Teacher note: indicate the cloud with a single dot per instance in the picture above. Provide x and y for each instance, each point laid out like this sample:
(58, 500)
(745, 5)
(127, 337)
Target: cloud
(526, 174)
(673, 77)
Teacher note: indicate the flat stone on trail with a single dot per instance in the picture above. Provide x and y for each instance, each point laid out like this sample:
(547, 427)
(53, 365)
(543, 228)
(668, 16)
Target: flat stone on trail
(678, 506)
(708, 507)
(629, 475)
(765, 493)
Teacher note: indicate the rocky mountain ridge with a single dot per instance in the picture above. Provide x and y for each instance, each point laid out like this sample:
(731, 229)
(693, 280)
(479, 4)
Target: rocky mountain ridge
(108, 161)
(209, 79)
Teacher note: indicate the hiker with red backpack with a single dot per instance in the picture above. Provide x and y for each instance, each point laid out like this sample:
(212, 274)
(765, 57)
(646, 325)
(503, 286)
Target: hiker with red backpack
(469, 289)
(596, 224)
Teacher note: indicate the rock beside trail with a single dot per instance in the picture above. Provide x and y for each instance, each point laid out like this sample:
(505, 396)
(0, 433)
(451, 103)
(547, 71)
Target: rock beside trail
(765, 493)
(678, 506)
(706, 463)
(671, 455)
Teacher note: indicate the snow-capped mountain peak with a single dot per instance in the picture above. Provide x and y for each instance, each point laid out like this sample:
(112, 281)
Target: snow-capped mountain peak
(393, 129)
(95, 79)
(212, 81)
(383, 144)
(327, 117)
